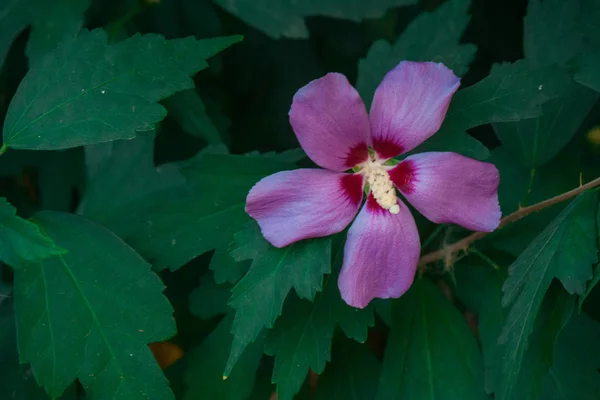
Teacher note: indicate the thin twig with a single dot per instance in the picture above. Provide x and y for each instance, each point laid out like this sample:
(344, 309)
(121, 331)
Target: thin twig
(463, 244)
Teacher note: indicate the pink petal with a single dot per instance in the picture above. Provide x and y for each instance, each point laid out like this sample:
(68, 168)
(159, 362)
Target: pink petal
(409, 106)
(304, 203)
(450, 188)
(380, 256)
(331, 122)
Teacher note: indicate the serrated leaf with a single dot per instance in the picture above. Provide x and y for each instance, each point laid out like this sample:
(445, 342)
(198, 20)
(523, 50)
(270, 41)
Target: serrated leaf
(433, 36)
(121, 172)
(536, 141)
(204, 375)
(351, 375)
(22, 241)
(90, 314)
(574, 374)
(52, 23)
(431, 352)
(187, 108)
(566, 249)
(169, 227)
(278, 18)
(552, 36)
(113, 95)
(301, 338)
(259, 296)
(511, 92)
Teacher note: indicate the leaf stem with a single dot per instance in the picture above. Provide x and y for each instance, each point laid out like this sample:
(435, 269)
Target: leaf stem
(3, 148)
(463, 244)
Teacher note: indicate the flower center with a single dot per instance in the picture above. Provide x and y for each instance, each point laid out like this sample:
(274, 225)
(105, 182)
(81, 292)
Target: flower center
(381, 186)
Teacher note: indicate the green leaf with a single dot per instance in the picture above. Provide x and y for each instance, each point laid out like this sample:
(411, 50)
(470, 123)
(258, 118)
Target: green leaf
(536, 141)
(209, 299)
(511, 92)
(14, 18)
(22, 241)
(273, 273)
(574, 374)
(113, 95)
(566, 249)
(552, 32)
(301, 338)
(204, 374)
(52, 23)
(592, 284)
(432, 36)
(352, 374)
(17, 381)
(91, 313)
(480, 288)
(431, 352)
(187, 108)
(120, 172)
(278, 18)
(169, 227)
(588, 70)
(226, 269)
(553, 315)
(552, 36)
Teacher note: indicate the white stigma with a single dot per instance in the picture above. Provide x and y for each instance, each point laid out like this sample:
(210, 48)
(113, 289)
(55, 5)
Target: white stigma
(382, 187)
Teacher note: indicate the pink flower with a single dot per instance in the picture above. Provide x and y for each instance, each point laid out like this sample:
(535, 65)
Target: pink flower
(332, 126)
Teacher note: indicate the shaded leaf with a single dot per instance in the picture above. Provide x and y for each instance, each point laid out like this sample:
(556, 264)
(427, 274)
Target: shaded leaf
(431, 352)
(14, 18)
(566, 249)
(52, 23)
(22, 241)
(480, 288)
(536, 141)
(552, 36)
(16, 380)
(169, 227)
(91, 313)
(259, 296)
(351, 375)
(588, 70)
(121, 172)
(301, 338)
(187, 108)
(209, 299)
(227, 269)
(278, 18)
(511, 92)
(112, 96)
(574, 374)
(204, 374)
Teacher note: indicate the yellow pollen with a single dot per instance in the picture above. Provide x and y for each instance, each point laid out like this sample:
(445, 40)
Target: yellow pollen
(382, 187)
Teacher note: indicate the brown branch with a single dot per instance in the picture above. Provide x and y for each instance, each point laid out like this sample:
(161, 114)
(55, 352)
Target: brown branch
(447, 253)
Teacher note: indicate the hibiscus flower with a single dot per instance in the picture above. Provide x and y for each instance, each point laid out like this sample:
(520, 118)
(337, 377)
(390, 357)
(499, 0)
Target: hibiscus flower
(355, 148)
